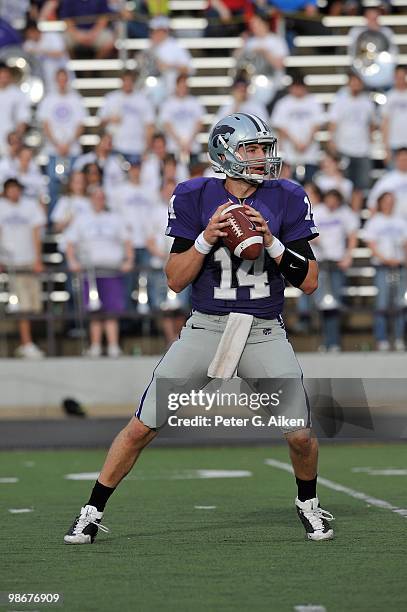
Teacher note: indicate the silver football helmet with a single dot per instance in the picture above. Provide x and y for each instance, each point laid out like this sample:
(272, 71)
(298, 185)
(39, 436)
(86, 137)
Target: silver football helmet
(240, 130)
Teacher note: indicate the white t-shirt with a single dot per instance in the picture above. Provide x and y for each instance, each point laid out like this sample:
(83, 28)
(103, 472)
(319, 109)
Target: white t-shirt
(389, 232)
(33, 181)
(49, 42)
(157, 224)
(151, 173)
(15, 109)
(250, 107)
(183, 114)
(8, 168)
(170, 52)
(17, 222)
(14, 12)
(334, 228)
(298, 117)
(99, 239)
(272, 42)
(129, 136)
(64, 114)
(352, 116)
(69, 207)
(326, 183)
(396, 111)
(394, 182)
(135, 204)
(113, 173)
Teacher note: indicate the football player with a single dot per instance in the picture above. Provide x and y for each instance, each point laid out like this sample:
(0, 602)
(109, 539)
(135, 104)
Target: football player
(243, 148)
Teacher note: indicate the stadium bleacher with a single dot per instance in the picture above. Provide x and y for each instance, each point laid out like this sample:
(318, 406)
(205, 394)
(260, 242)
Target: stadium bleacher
(324, 75)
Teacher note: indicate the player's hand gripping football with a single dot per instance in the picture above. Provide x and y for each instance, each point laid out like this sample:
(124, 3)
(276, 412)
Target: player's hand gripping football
(214, 229)
(260, 223)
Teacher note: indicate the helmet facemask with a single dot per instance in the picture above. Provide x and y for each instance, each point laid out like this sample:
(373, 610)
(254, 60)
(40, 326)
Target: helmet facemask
(242, 166)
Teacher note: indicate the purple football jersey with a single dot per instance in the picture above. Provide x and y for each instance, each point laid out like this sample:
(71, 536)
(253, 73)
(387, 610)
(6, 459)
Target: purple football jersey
(227, 283)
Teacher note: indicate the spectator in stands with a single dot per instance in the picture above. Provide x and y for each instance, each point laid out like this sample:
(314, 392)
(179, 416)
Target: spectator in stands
(309, 7)
(386, 236)
(351, 122)
(62, 115)
(15, 108)
(300, 17)
(44, 10)
(170, 58)
(286, 172)
(170, 169)
(367, 43)
(265, 52)
(87, 26)
(228, 17)
(21, 223)
(15, 12)
(297, 117)
(158, 7)
(394, 113)
(394, 181)
(93, 175)
(181, 118)
(305, 303)
(242, 102)
(111, 164)
(372, 15)
(338, 226)
(173, 306)
(98, 244)
(331, 177)
(73, 203)
(128, 115)
(137, 19)
(135, 203)
(49, 49)
(29, 176)
(152, 169)
(9, 162)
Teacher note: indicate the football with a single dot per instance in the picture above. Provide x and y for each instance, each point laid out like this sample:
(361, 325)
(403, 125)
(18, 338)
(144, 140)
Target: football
(243, 240)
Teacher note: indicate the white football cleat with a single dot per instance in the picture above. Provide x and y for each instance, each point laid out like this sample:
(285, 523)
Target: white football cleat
(314, 519)
(85, 527)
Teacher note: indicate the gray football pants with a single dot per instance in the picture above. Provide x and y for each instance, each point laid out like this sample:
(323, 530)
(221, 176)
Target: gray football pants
(268, 355)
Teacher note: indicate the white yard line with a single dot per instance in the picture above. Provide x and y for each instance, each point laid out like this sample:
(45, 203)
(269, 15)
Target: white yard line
(372, 501)
(170, 475)
(309, 608)
(205, 507)
(381, 472)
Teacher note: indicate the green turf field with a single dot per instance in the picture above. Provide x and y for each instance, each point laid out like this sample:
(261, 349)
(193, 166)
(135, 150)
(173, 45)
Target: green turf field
(248, 553)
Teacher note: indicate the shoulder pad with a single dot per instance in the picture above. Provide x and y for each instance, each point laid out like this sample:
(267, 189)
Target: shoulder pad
(195, 184)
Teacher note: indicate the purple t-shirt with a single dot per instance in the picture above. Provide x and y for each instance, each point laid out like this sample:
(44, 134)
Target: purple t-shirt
(227, 283)
(83, 8)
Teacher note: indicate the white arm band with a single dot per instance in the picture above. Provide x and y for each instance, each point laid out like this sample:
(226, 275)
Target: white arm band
(276, 249)
(202, 246)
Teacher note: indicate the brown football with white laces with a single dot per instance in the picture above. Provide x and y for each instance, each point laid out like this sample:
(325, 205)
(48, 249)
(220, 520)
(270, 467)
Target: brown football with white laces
(243, 239)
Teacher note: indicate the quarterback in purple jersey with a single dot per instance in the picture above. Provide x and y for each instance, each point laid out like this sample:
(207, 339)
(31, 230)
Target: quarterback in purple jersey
(243, 148)
(286, 207)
